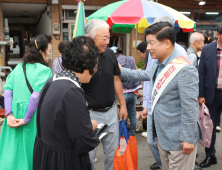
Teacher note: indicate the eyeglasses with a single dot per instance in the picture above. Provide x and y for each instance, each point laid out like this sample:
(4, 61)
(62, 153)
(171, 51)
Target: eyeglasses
(104, 38)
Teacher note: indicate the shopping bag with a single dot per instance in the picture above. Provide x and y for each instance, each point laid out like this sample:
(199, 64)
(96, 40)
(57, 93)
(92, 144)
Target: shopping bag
(126, 156)
(133, 151)
(206, 125)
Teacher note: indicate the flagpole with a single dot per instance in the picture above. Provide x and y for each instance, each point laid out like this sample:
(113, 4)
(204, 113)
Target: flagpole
(135, 42)
(80, 20)
(77, 17)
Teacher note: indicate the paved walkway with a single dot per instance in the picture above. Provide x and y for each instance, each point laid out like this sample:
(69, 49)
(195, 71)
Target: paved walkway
(145, 158)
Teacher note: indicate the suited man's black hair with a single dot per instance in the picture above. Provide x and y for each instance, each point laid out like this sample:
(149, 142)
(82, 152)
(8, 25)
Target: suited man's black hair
(162, 30)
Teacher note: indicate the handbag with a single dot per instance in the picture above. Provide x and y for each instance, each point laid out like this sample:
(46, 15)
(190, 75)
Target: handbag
(126, 155)
(27, 82)
(206, 126)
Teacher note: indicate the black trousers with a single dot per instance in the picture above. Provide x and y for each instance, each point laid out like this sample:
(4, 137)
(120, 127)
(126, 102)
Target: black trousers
(218, 123)
(215, 111)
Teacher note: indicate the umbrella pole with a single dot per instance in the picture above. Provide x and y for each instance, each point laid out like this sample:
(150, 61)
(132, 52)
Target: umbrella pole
(136, 42)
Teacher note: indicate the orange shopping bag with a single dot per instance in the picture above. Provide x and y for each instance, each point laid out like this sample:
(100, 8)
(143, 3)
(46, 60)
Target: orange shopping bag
(126, 156)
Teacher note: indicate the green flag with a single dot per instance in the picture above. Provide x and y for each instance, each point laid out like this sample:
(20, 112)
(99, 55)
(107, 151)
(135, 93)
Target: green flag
(80, 20)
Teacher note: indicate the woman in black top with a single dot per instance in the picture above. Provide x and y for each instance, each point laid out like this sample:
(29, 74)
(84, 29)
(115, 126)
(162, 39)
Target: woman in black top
(65, 133)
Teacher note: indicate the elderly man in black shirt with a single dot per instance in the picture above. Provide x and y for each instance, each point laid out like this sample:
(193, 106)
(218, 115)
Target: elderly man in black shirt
(101, 90)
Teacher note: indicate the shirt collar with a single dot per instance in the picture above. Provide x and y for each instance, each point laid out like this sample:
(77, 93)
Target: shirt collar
(218, 47)
(192, 49)
(118, 55)
(69, 74)
(165, 62)
(102, 55)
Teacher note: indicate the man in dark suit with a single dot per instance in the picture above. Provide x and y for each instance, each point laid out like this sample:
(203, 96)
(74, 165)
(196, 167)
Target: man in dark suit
(210, 88)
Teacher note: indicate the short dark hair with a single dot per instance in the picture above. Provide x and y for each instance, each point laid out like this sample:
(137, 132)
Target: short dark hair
(162, 30)
(119, 51)
(80, 54)
(212, 39)
(62, 46)
(209, 33)
(205, 38)
(32, 55)
(142, 47)
(219, 28)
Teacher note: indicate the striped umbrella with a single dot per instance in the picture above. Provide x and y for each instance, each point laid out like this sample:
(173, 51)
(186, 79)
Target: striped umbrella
(123, 16)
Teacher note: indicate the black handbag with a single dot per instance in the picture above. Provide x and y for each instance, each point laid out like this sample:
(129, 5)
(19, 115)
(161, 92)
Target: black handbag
(27, 82)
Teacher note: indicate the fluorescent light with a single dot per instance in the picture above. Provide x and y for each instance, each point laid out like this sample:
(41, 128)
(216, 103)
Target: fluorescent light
(202, 3)
(212, 13)
(185, 12)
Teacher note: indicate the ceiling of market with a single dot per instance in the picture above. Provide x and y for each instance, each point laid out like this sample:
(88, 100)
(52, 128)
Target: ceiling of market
(210, 6)
(22, 9)
(33, 10)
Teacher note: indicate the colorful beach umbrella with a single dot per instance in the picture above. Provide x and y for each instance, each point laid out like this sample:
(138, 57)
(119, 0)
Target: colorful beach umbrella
(123, 16)
(80, 20)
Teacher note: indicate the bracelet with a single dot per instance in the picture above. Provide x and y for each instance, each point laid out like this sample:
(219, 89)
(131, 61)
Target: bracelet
(8, 114)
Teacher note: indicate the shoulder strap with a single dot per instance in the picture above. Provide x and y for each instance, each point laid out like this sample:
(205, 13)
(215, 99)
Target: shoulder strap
(27, 82)
(197, 56)
(40, 105)
(195, 53)
(65, 78)
(127, 65)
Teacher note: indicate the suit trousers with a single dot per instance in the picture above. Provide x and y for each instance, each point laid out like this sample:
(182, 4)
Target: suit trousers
(215, 110)
(176, 160)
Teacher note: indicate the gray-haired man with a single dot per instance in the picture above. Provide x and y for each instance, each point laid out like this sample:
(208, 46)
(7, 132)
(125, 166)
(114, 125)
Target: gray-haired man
(101, 91)
(196, 45)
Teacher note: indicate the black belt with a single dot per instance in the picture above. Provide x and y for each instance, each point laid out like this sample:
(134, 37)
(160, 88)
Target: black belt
(102, 110)
(219, 91)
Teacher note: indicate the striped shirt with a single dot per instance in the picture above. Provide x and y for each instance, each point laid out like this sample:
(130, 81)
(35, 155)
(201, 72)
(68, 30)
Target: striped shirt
(133, 90)
(219, 67)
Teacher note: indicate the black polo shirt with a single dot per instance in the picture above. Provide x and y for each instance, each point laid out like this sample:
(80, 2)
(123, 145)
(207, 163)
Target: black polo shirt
(100, 92)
